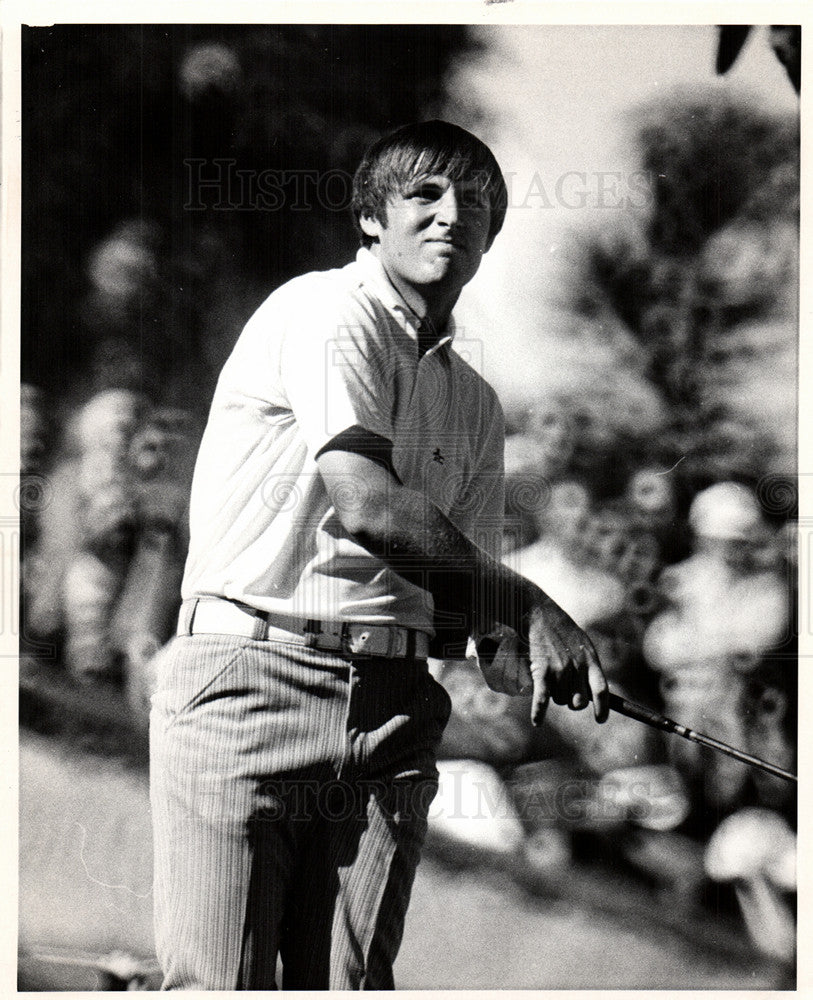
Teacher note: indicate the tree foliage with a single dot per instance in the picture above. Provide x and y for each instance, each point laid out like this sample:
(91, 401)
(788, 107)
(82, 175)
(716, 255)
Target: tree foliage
(706, 287)
(112, 117)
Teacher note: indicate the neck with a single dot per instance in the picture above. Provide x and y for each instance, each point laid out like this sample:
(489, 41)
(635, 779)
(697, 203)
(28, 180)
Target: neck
(433, 306)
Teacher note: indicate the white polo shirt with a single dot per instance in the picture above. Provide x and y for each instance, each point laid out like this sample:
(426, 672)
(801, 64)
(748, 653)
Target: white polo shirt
(325, 352)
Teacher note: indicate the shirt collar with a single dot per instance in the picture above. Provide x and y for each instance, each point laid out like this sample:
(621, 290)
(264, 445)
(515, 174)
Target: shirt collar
(374, 275)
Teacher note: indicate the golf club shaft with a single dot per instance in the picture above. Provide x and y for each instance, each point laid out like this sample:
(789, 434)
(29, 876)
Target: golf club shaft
(646, 715)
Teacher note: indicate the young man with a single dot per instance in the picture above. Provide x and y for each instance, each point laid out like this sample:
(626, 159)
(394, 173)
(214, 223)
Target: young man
(347, 494)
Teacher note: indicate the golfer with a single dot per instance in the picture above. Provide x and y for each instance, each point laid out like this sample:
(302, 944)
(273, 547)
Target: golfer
(346, 516)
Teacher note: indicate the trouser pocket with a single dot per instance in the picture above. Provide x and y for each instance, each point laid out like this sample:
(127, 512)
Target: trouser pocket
(191, 671)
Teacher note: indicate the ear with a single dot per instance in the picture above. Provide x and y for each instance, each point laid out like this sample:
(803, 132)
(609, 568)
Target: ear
(370, 226)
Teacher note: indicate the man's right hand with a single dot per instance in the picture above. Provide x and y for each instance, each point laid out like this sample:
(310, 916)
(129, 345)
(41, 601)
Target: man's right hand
(559, 661)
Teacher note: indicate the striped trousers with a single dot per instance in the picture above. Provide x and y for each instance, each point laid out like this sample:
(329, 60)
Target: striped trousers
(290, 789)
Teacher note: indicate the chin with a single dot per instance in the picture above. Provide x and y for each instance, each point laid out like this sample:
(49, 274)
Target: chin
(445, 269)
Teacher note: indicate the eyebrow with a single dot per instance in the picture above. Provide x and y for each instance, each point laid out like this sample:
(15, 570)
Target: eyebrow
(418, 179)
(470, 186)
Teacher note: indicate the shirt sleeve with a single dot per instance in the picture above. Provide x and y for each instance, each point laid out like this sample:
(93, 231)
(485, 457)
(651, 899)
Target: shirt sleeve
(336, 374)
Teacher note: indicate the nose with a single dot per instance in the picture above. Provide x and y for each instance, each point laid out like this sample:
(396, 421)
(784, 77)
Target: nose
(448, 207)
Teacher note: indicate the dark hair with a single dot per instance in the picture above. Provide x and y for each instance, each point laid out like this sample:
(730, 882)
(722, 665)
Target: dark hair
(433, 147)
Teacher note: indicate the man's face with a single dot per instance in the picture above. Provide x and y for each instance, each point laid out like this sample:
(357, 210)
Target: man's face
(435, 235)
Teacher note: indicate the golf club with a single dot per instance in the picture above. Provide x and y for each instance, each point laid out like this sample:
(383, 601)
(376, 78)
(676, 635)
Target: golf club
(650, 718)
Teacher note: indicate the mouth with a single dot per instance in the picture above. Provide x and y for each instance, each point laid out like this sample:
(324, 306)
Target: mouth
(451, 244)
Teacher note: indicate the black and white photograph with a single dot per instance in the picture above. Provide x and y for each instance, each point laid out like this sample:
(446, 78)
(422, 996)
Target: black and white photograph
(403, 563)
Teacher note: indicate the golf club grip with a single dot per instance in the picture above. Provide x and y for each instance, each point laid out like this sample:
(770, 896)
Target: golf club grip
(650, 718)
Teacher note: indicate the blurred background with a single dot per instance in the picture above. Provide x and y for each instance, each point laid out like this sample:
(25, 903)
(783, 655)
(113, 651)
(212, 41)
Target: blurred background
(638, 317)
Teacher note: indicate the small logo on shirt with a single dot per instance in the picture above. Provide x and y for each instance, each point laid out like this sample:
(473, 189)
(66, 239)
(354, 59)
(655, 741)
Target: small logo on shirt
(437, 456)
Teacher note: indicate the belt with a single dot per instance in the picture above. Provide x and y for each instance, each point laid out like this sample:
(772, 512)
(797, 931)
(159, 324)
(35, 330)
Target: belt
(219, 616)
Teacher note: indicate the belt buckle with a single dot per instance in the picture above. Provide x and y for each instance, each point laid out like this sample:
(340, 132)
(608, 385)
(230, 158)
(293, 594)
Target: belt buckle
(363, 642)
(349, 641)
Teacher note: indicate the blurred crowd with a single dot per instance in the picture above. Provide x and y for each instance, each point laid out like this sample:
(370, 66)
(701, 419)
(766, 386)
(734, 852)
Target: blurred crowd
(690, 602)
(691, 611)
(104, 528)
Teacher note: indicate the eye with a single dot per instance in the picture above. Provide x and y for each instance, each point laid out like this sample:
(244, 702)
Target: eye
(474, 198)
(426, 192)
